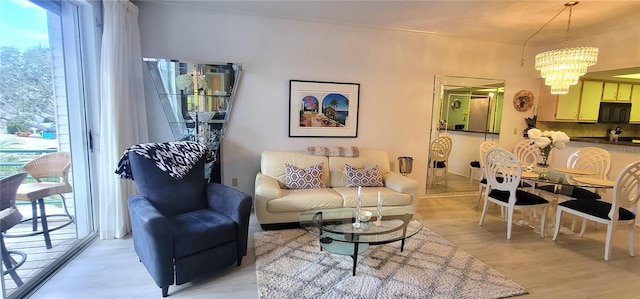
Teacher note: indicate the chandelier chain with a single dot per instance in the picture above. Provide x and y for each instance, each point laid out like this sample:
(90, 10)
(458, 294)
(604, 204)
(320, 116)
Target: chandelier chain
(566, 38)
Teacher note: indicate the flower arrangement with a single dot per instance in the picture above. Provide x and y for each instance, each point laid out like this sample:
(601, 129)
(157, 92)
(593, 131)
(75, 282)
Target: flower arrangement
(186, 80)
(547, 140)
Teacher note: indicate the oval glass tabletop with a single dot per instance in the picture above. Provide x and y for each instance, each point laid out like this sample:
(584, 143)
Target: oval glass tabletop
(566, 179)
(395, 225)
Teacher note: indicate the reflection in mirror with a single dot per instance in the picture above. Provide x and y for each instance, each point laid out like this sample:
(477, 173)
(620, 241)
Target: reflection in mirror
(470, 111)
(174, 82)
(196, 99)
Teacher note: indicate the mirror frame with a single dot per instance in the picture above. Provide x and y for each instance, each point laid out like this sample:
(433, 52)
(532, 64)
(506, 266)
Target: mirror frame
(444, 83)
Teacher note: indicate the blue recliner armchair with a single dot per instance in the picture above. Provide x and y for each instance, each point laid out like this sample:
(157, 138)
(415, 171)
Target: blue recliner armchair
(185, 229)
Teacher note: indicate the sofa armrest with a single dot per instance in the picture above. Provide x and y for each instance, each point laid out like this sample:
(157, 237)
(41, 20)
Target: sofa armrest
(152, 239)
(235, 205)
(400, 183)
(267, 187)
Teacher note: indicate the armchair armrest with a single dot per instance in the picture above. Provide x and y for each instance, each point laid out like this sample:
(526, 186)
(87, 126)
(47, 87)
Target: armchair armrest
(152, 239)
(235, 205)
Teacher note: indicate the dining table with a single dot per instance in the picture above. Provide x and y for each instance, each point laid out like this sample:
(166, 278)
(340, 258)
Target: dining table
(563, 180)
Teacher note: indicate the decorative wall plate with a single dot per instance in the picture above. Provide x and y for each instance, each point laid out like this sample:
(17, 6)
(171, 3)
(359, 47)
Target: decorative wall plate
(456, 104)
(523, 100)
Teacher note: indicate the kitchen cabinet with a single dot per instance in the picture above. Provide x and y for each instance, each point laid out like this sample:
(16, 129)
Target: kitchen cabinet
(635, 104)
(581, 103)
(590, 101)
(546, 103)
(616, 92)
(568, 106)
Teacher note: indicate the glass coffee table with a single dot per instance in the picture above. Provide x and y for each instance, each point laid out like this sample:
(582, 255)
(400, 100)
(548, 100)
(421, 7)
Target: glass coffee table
(337, 233)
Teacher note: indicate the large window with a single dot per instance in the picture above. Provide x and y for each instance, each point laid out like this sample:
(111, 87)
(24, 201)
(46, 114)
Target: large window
(47, 62)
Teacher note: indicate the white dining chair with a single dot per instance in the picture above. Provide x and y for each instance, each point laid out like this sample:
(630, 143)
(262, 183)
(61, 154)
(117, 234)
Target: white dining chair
(527, 153)
(503, 171)
(621, 210)
(482, 184)
(592, 159)
(439, 152)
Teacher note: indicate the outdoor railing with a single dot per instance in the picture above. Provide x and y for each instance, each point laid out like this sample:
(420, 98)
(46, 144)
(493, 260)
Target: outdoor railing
(11, 160)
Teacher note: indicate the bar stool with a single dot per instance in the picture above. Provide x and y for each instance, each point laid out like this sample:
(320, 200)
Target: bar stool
(54, 165)
(10, 217)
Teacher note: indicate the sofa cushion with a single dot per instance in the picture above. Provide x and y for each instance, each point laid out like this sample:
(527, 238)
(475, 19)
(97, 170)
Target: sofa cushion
(367, 158)
(370, 197)
(308, 178)
(272, 164)
(369, 177)
(304, 199)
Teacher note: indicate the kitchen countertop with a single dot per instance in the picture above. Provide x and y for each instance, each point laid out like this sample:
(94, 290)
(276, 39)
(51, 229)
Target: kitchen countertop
(626, 141)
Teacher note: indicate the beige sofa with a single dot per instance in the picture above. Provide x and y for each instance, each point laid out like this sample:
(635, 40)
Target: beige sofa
(277, 207)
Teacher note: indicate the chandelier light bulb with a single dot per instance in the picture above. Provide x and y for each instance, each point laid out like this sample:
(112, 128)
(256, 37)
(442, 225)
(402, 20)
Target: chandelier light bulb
(563, 68)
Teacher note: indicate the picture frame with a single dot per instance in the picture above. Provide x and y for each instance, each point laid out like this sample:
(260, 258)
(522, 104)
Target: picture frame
(323, 109)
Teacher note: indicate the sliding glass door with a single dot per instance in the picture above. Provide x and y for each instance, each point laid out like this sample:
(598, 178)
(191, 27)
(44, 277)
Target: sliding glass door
(45, 58)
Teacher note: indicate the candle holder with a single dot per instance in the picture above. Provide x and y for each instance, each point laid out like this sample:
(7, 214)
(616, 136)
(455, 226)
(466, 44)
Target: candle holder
(378, 221)
(357, 224)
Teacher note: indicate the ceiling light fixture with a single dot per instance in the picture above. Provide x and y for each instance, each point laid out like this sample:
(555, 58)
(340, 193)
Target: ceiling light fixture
(562, 68)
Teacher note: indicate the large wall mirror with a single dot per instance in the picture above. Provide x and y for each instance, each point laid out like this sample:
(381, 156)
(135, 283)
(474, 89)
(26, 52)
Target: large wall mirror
(197, 100)
(469, 111)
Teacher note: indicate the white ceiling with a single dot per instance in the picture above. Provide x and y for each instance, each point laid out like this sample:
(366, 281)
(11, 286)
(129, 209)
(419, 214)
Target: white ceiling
(510, 21)
(504, 20)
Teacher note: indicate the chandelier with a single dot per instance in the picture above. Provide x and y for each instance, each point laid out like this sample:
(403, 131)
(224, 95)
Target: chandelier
(562, 68)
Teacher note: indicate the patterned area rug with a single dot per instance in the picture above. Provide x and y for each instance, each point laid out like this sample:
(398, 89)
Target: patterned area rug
(289, 264)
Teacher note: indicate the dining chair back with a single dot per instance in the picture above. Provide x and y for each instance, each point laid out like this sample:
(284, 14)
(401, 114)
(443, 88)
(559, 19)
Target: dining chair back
(439, 152)
(622, 209)
(591, 158)
(484, 147)
(445, 134)
(502, 164)
(503, 171)
(527, 152)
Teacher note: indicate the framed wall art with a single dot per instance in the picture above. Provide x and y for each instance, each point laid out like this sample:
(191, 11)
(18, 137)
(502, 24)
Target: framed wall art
(323, 109)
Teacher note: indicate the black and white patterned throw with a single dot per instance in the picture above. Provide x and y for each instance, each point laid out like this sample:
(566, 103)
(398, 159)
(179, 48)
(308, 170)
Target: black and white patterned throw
(175, 158)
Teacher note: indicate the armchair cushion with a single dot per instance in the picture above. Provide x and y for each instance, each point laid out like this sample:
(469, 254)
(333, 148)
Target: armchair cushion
(199, 230)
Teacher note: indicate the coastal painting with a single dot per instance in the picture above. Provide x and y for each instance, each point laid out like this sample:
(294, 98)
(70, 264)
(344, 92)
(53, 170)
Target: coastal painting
(323, 109)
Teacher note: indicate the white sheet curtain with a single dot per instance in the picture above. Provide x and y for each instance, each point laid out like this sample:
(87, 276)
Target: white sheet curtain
(123, 118)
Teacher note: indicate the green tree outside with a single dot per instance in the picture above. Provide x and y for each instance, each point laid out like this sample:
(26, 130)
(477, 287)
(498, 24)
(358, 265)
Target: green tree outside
(26, 88)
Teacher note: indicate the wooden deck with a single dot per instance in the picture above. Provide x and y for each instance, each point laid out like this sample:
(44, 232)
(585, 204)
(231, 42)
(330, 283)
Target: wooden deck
(38, 256)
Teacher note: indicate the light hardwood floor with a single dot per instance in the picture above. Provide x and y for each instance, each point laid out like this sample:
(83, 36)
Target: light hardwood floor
(572, 267)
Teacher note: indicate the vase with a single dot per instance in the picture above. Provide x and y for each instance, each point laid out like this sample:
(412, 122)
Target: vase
(543, 170)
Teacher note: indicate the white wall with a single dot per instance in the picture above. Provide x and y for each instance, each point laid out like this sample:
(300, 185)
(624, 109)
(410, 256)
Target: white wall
(395, 71)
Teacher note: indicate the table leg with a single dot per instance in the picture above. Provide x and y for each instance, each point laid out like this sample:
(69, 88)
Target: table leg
(355, 257)
(34, 215)
(45, 226)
